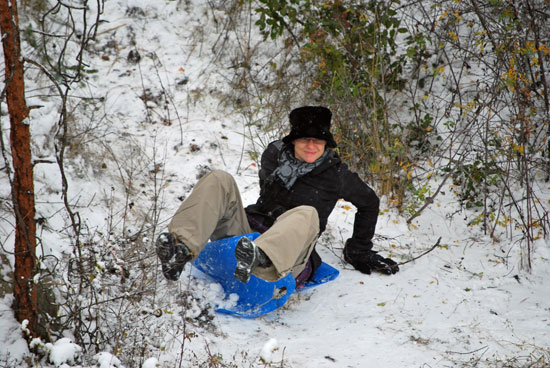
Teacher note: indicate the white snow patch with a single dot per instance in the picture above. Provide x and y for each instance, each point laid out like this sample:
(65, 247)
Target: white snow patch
(107, 360)
(268, 349)
(62, 351)
(151, 363)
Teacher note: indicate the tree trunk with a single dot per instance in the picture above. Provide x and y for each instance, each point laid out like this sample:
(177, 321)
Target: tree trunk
(25, 304)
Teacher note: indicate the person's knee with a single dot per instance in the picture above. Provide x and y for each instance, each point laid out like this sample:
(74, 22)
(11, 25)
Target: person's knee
(220, 173)
(220, 176)
(311, 214)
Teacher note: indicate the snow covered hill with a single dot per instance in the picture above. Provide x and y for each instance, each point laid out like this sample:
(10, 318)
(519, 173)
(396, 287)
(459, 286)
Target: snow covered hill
(157, 118)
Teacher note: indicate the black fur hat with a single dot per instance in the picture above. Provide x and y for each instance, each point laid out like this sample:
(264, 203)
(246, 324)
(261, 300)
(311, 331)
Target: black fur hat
(310, 121)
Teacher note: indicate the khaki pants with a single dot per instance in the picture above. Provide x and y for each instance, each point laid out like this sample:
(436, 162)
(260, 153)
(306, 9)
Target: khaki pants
(214, 210)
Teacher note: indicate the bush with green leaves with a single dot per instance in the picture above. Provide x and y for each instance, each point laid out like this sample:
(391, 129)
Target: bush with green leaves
(356, 66)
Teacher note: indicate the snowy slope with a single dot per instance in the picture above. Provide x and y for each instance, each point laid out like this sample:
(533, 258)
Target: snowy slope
(466, 303)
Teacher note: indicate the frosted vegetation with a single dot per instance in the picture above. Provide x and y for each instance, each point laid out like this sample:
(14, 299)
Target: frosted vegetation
(441, 106)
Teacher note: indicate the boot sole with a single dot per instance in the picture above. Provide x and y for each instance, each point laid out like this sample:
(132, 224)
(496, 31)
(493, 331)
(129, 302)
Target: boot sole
(172, 258)
(245, 253)
(165, 247)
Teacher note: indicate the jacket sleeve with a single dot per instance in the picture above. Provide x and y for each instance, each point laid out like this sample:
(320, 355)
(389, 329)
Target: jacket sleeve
(355, 190)
(268, 205)
(268, 162)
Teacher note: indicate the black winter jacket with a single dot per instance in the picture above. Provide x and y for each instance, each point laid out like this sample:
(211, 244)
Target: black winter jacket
(321, 188)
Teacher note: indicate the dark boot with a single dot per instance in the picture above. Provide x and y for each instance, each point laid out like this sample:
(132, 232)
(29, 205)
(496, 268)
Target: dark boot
(173, 255)
(248, 256)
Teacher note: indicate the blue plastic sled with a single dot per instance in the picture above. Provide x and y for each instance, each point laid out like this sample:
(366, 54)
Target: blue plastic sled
(257, 297)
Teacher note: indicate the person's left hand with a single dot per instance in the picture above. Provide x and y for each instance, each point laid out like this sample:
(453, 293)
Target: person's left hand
(383, 264)
(367, 261)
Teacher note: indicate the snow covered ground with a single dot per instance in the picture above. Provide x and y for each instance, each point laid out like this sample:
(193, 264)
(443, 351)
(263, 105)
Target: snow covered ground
(466, 303)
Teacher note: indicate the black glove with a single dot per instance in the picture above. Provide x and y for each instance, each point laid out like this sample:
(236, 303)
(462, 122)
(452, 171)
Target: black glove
(365, 260)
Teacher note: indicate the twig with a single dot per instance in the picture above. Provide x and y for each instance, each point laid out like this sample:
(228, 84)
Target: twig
(429, 200)
(43, 161)
(168, 96)
(423, 254)
(467, 352)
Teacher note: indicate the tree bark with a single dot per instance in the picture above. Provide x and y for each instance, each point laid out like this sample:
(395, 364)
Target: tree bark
(25, 303)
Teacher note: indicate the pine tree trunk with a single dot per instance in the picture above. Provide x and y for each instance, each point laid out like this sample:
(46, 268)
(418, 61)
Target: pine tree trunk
(25, 305)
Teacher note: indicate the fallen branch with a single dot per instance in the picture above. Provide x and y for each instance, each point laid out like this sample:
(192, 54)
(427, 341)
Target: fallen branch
(423, 254)
(429, 200)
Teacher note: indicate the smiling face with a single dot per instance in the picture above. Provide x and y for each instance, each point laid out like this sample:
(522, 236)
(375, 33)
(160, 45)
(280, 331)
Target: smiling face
(308, 149)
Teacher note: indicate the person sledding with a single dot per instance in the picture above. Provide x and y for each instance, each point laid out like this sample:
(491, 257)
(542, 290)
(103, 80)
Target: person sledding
(301, 179)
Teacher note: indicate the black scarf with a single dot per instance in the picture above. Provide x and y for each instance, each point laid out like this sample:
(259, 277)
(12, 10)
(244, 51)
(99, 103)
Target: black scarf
(290, 169)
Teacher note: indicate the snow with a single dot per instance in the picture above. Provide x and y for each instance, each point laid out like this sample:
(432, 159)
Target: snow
(150, 363)
(466, 303)
(63, 351)
(108, 360)
(268, 350)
